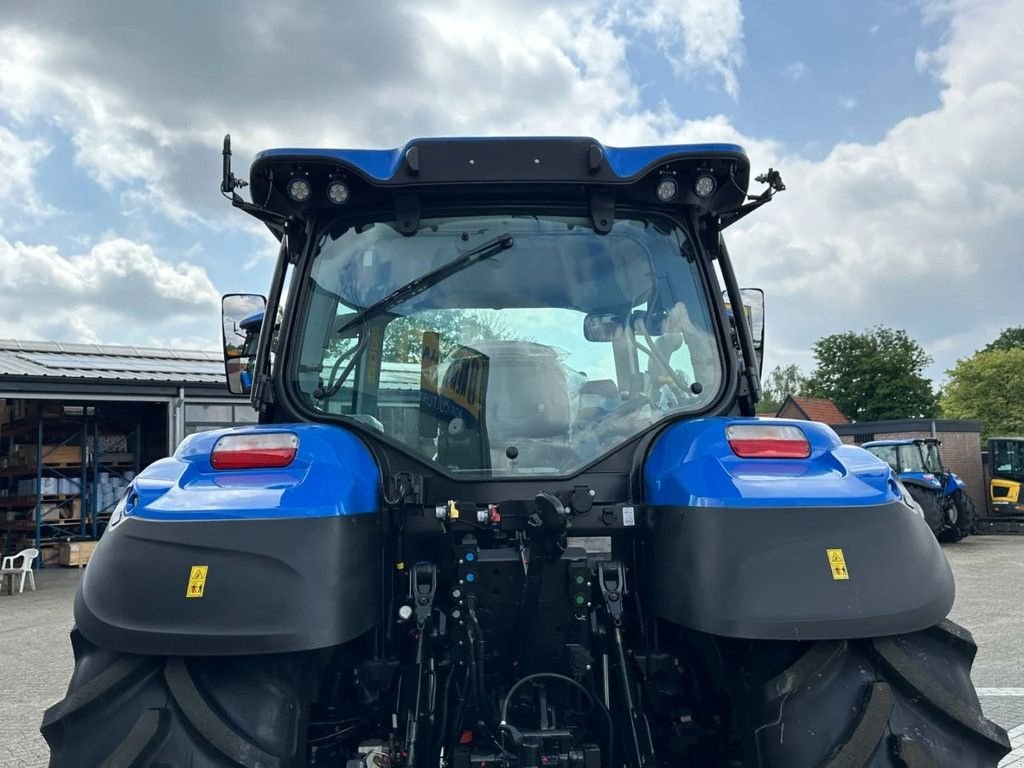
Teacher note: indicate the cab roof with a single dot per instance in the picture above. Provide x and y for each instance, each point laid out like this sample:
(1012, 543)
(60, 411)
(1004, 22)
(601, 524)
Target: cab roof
(430, 171)
(504, 159)
(904, 441)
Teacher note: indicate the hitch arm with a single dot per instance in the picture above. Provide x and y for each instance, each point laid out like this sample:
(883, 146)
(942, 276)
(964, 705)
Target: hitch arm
(611, 578)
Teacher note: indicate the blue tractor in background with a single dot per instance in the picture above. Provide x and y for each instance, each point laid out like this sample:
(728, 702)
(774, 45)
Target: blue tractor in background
(508, 504)
(947, 507)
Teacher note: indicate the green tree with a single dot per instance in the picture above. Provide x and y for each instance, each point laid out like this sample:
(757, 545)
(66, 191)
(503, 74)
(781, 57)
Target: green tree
(989, 387)
(404, 336)
(1010, 338)
(781, 382)
(878, 374)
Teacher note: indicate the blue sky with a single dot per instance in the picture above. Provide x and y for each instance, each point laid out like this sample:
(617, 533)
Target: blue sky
(886, 119)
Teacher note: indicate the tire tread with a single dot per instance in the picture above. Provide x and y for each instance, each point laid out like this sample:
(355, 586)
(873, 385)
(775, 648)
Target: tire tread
(208, 723)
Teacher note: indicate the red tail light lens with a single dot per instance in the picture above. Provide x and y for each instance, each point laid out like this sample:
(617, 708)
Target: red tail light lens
(767, 441)
(255, 451)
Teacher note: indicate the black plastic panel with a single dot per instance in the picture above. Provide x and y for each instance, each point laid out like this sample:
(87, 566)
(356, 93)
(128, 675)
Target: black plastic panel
(766, 574)
(270, 586)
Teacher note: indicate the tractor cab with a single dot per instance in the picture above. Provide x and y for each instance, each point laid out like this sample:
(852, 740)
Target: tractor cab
(1006, 466)
(915, 461)
(522, 307)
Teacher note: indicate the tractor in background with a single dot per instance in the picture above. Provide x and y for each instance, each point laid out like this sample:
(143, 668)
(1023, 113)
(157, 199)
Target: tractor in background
(948, 508)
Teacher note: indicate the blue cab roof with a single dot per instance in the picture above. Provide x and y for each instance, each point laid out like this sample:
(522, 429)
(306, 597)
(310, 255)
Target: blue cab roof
(252, 321)
(905, 441)
(624, 162)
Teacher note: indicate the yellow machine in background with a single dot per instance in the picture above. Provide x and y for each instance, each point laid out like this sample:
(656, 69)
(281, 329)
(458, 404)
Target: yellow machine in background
(1006, 465)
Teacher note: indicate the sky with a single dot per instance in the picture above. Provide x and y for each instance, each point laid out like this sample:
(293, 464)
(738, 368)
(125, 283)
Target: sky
(895, 125)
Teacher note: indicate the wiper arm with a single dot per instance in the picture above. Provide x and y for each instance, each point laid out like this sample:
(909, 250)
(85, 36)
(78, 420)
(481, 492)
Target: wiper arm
(404, 293)
(418, 285)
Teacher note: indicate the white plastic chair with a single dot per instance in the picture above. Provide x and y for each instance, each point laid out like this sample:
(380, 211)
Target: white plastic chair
(8, 568)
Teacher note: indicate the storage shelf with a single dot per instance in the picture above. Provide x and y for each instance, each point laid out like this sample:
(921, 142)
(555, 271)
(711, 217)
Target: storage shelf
(63, 446)
(65, 468)
(23, 502)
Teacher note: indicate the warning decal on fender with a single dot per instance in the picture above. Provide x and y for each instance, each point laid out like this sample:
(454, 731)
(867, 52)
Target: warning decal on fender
(196, 581)
(837, 563)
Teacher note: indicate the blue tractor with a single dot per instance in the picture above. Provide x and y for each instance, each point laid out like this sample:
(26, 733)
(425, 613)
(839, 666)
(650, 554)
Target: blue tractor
(508, 505)
(947, 507)
(250, 328)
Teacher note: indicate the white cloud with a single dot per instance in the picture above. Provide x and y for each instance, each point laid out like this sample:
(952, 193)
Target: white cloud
(847, 102)
(117, 291)
(795, 70)
(146, 93)
(695, 35)
(920, 230)
(18, 191)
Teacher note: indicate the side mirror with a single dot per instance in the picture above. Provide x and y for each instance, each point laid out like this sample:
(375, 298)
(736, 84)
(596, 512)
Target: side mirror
(241, 322)
(599, 326)
(753, 303)
(753, 311)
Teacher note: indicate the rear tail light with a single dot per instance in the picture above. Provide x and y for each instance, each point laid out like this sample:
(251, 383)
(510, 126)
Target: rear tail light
(255, 451)
(767, 441)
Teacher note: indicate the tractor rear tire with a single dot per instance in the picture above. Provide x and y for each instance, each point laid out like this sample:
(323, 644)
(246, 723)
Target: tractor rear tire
(967, 517)
(929, 502)
(904, 701)
(126, 711)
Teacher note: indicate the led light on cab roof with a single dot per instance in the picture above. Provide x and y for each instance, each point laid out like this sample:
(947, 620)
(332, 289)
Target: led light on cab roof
(299, 189)
(337, 192)
(667, 189)
(704, 186)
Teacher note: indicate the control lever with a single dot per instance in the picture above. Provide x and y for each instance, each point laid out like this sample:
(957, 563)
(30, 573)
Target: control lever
(611, 578)
(423, 588)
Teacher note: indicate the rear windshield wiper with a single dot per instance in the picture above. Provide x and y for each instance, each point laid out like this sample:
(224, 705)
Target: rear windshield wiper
(418, 285)
(403, 293)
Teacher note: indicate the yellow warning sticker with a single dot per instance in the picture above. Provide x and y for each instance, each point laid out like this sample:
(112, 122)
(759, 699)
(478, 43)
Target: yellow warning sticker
(196, 581)
(837, 563)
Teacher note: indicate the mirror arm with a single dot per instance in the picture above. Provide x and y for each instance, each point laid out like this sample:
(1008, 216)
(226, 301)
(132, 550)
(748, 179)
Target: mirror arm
(262, 386)
(774, 181)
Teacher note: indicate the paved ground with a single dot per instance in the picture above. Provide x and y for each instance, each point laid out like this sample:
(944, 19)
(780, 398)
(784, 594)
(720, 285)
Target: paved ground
(35, 655)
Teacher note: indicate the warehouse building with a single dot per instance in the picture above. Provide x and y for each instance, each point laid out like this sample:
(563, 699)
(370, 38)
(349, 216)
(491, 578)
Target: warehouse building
(78, 421)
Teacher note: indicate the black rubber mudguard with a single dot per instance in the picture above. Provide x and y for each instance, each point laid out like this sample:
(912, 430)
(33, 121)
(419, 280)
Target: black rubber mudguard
(231, 587)
(775, 574)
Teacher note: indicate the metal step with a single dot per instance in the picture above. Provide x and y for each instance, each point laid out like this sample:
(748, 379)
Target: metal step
(1001, 524)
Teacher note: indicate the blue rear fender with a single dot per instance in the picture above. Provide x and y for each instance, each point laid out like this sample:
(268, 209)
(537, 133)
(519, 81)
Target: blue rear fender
(692, 465)
(277, 550)
(333, 474)
(953, 484)
(787, 549)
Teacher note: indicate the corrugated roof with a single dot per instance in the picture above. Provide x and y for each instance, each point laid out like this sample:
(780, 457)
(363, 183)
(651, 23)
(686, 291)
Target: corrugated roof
(49, 359)
(817, 409)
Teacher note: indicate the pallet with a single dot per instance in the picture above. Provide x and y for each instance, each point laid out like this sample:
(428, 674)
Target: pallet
(1002, 524)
